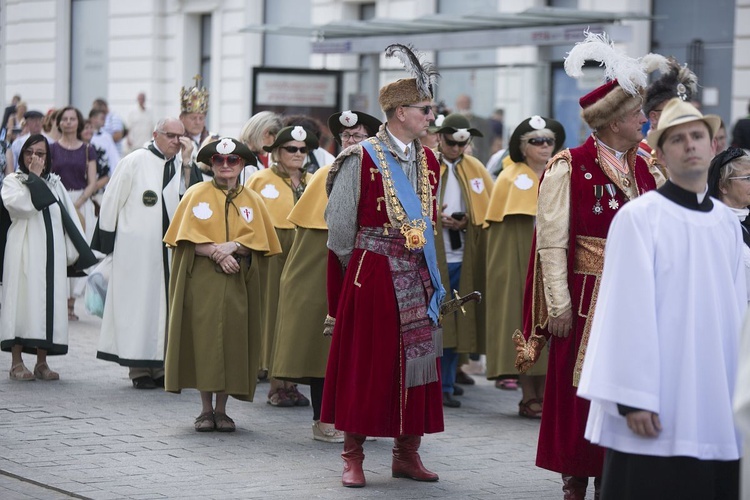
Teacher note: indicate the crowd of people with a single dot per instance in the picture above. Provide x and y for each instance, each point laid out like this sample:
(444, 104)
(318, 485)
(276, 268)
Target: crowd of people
(614, 274)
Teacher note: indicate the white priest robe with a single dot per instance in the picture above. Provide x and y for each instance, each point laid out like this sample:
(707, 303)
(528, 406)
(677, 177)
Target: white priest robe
(135, 310)
(665, 333)
(26, 285)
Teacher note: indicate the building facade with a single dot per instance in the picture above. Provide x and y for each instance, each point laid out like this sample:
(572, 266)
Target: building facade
(56, 52)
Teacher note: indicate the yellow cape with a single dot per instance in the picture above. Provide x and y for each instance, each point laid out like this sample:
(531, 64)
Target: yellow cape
(277, 195)
(309, 212)
(203, 216)
(515, 192)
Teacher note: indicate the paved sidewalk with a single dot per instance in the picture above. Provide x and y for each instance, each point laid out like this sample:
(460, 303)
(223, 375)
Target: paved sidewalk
(91, 435)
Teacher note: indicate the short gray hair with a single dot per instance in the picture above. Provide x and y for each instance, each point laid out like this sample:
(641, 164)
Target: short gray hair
(252, 131)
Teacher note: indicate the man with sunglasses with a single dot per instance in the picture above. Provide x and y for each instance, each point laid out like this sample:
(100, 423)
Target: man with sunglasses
(580, 192)
(382, 377)
(136, 210)
(465, 187)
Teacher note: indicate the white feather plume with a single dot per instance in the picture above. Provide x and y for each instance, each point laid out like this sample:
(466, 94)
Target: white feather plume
(598, 47)
(654, 62)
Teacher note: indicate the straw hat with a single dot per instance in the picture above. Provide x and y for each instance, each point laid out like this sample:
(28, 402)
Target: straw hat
(677, 112)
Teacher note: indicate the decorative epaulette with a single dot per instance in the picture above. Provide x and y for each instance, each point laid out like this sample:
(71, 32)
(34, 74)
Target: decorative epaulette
(562, 155)
(351, 150)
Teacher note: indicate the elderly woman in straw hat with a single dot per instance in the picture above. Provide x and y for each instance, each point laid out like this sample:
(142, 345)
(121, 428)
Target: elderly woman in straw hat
(300, 351)
(280, 187)
(510, 224)
(219, 233)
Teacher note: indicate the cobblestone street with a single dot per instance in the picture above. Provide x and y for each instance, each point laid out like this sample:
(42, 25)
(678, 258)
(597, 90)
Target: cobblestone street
(91, 435)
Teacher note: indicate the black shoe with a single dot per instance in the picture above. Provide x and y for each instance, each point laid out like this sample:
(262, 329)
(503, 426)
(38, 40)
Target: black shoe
(458, 390)
(144, 382)
(449, 401)
(464, 379)
(159, 381)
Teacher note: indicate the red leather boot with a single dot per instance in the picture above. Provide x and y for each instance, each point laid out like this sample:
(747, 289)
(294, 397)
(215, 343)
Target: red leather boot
(574, 488)
(406, 461)
(353, 455)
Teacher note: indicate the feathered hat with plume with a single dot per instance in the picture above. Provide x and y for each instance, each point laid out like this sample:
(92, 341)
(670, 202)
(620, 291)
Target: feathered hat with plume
(625, 77)
(408, 90)
(675, 81)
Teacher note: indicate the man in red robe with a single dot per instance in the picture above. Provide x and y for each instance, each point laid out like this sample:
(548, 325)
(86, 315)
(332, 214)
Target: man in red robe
(382, 377)
(580, 192)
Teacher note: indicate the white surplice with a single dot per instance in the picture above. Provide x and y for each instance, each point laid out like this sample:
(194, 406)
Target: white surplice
(135, 310)
(665, 334)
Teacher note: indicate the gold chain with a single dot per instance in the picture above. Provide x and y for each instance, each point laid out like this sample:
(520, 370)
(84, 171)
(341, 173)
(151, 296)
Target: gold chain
(393, 204)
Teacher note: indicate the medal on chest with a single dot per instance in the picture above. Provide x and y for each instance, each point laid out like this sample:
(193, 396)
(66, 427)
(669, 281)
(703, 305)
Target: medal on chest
(413, 231)
(598, 193)
(613, 203)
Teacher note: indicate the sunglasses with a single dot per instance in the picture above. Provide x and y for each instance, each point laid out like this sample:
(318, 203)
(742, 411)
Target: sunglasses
(460, 144)
(294, 149)
(230, 160)
(426, 110)
(538, 141)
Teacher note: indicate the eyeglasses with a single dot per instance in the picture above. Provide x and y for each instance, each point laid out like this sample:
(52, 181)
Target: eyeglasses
(169, 135)
(740, 178)
(294, 149)
(357, 137)
(538, 141)
(426, 110)
(460, 144)
(38, 154)
(229, 160)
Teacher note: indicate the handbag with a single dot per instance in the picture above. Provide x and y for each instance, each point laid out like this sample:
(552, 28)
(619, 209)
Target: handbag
(96, 287)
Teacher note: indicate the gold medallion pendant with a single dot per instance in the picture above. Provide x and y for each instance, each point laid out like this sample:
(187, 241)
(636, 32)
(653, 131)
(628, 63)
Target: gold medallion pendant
(414, 234)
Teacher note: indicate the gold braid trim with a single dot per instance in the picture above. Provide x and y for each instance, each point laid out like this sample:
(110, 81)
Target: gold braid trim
(413, 230)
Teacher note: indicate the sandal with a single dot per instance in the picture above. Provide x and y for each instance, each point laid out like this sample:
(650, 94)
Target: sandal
(327, 434)
(280, 398)
(71, 314)
(20, 372)
(297, 397)
(525, 409)
(42, 372)
(507, 384)
(205, 422)
(223, 422)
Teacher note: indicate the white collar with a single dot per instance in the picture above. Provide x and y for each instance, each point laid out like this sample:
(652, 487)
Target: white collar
(402, 146)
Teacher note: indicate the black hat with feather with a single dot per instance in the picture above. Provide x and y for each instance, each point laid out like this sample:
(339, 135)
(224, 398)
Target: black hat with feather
(676, 81)
(408, 90)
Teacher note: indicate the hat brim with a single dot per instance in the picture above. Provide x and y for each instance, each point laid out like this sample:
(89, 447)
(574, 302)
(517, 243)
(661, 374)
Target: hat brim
(311, 142)
(514, 145)
(207, 151)
(713, 122)
(336, 127)
(451, 130)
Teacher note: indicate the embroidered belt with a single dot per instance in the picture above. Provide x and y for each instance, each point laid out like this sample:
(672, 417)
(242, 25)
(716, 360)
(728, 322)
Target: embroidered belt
(422, 341)
(589, 258)
(392, 246)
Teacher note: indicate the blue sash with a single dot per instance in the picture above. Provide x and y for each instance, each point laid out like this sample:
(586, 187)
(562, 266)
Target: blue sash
(413, 208)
